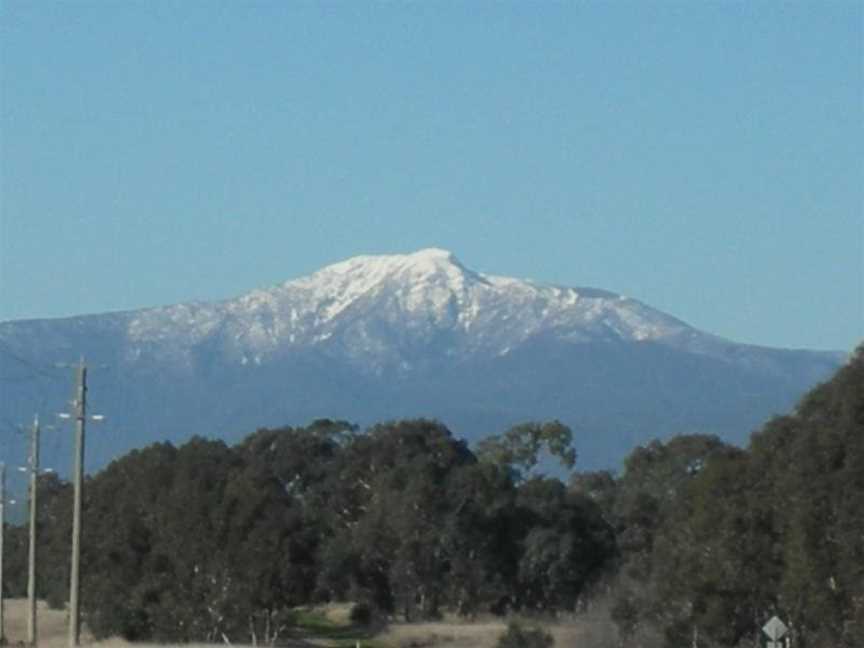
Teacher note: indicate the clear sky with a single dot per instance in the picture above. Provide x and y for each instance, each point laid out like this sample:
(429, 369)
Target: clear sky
(705, 158)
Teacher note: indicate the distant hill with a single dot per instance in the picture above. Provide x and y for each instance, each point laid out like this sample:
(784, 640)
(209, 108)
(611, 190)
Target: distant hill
(382, 337)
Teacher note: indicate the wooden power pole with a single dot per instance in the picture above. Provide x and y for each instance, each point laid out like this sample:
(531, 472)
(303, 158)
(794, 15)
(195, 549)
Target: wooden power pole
(31, 564)
(80, 415)
(2, 534)
(80, 405)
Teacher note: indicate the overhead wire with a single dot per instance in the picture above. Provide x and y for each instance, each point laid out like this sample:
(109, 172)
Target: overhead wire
(43, 383)
(34, 372)
(6, 350)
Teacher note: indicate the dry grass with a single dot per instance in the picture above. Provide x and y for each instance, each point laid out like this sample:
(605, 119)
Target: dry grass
(338, 613)
(589, 630)
(52, 625)
(452, 635)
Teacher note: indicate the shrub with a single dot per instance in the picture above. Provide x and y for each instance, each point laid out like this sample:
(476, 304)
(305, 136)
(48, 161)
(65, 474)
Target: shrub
(519, 637)
(361, 614)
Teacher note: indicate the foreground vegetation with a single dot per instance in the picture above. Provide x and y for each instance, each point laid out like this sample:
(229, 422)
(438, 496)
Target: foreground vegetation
(446, 633)
(696, 541)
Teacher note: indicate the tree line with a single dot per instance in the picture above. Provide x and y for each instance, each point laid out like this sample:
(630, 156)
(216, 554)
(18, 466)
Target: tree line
(713, 539)
(696, 542)
(206, 540)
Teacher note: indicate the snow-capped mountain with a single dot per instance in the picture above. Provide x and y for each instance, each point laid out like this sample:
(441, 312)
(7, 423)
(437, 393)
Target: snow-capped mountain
(378, 337)
(380, 308)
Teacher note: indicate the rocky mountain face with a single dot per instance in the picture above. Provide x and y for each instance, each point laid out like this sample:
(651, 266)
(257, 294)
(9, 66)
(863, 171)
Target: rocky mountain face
(383, 337)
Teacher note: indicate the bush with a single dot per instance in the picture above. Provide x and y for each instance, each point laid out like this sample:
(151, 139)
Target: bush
(361, 614)
(519, 637)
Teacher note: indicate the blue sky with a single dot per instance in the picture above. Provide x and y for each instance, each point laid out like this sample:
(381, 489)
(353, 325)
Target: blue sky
(706, 158)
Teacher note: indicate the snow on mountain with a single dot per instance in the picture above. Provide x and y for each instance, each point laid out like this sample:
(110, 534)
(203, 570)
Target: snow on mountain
(367, 303)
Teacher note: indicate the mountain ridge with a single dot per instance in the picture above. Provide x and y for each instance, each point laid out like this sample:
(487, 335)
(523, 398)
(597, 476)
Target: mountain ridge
(418, 265)
(380, 337)
(431, 282)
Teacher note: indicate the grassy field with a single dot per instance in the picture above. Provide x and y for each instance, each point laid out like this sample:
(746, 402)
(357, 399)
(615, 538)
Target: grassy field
(52, 625)
(329, 627)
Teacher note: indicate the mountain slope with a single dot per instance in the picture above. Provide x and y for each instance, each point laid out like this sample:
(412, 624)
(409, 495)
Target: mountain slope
(381, 337)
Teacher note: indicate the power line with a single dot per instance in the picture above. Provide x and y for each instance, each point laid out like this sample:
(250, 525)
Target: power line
(36, 369)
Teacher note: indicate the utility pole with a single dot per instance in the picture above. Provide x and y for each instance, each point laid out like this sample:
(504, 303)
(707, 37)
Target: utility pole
(80, 405)
(2, 534)
(31, 572)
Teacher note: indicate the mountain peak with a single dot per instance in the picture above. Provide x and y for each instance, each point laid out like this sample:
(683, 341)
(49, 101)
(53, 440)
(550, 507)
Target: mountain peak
(376, 304)
(361, 274)
(432, 253)
(425, 259)
(437, 257)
